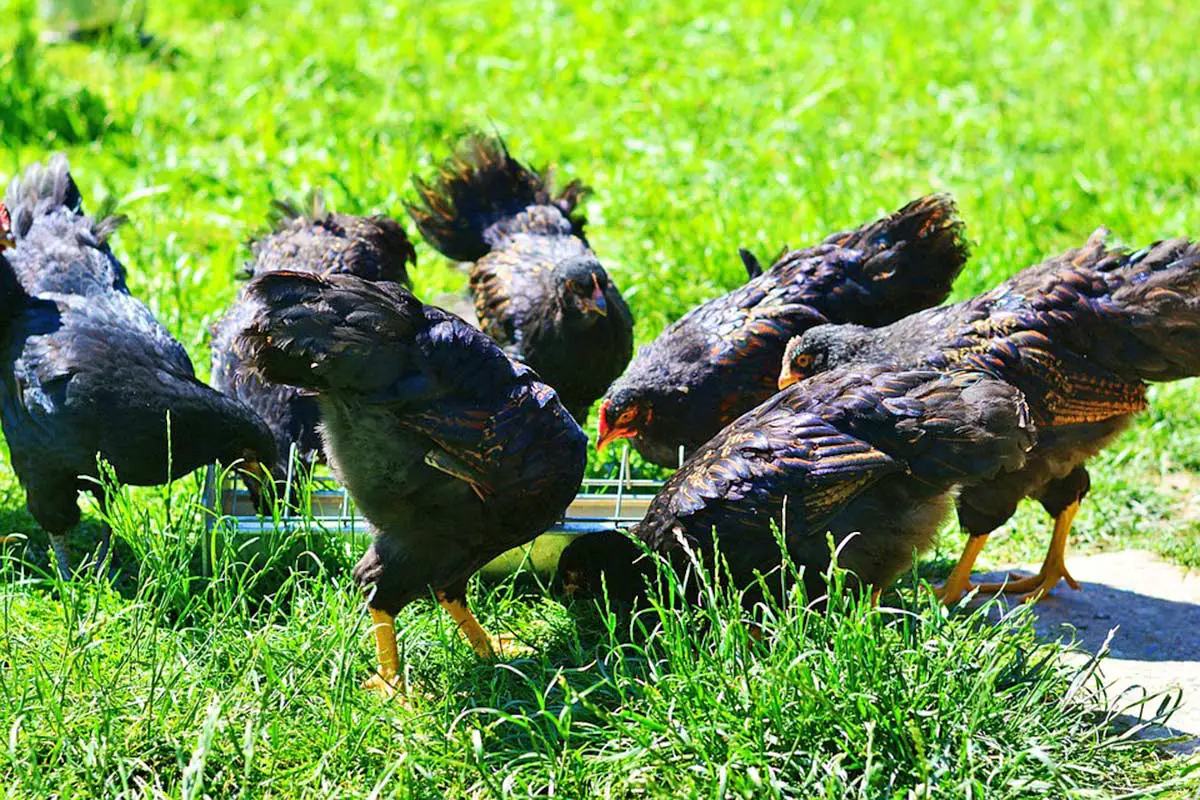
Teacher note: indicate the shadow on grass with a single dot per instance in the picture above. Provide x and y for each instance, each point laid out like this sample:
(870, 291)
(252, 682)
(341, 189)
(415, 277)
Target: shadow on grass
(143, 552)
(29, 557)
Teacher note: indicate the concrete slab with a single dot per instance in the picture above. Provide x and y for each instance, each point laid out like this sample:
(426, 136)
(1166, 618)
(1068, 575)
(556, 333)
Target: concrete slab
(1154, 607)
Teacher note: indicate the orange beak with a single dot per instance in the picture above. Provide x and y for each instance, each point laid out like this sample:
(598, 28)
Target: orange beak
(608, 434)
(786, 376)
(251, 465)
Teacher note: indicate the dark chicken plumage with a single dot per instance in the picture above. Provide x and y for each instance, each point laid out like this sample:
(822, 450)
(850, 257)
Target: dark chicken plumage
(862, 450)
(1079, 335)
(540, 292)
(451, 450)
(721, 358)
(87, 369)
(373, 248)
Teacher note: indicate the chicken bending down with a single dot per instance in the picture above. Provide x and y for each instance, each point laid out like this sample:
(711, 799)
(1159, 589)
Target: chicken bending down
(721, 358)
(319, 241)
(863, 450)
(540, 292)
(1079, 336)
(452, 451)
(86, 370)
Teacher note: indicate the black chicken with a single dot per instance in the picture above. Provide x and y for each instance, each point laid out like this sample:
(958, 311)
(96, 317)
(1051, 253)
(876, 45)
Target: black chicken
(721, 358)
(373, 248)
(539, 290)
(452, 451)
(87, 369)
(1078, 335)
(862, 450)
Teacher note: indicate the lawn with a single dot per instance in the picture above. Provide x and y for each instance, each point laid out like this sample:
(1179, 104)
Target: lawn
(702, 126)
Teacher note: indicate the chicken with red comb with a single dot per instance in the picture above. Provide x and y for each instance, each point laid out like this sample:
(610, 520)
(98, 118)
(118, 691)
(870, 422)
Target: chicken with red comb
(721, 358)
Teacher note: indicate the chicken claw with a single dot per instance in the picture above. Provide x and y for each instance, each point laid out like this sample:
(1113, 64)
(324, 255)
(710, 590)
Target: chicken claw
(487, 646)
(1054, 567)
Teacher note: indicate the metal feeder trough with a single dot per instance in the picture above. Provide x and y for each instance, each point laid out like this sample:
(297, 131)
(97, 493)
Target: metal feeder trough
(602, 504)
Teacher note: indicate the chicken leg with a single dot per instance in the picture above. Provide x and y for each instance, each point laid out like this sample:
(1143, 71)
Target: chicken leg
(58, 543)
(388, 681)
(1054, 567)
(959, 582)
(485, 645)
(103, 550)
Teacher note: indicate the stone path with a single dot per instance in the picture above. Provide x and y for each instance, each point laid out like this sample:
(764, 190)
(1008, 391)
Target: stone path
(1155, 607)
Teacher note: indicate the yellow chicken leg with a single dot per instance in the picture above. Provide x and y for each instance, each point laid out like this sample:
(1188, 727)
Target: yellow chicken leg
(959, 582)
(484, 644)
(388, 681)
(1054, 567)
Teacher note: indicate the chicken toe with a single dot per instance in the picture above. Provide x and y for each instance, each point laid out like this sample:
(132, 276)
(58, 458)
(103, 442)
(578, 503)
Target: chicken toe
(486, 646)
(1054, 567)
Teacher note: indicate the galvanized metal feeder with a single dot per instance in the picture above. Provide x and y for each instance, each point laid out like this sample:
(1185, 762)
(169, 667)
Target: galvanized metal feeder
(602, 504)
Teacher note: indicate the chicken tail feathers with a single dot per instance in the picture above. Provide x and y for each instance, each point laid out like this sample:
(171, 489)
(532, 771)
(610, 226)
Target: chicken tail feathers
(55, 246)
(912, 257)
(307, 235)
(328, 333)
(1154, 297)
(285, 211)
(478, 186)
(40, 190)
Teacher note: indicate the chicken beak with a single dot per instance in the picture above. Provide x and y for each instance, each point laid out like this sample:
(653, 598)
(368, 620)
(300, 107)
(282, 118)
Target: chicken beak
(596, 304)
(786, 376)
(605, 431)
(255, 468)
(609, 434)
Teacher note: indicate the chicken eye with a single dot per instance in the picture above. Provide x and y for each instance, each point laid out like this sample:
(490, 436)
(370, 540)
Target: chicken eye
(802, 361)
(627, 416)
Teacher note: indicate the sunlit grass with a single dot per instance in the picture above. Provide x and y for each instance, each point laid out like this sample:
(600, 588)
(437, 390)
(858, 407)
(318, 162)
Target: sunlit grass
(702, 127)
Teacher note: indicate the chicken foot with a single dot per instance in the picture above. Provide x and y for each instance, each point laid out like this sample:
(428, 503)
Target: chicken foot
(959, 582)
(1054, 566)
(485, 645)
(387, 682)
(58, 543)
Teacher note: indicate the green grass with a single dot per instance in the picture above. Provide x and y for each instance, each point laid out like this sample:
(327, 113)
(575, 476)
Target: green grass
(703, 127)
